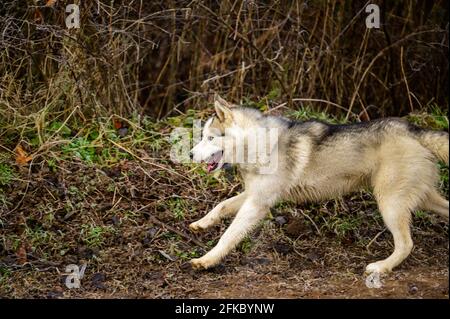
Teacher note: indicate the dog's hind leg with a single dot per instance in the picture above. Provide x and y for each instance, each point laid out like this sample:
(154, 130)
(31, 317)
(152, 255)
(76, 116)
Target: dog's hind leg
(224, 209)
(436, 203)
(404, 177)
(397, 217)
(247, 217)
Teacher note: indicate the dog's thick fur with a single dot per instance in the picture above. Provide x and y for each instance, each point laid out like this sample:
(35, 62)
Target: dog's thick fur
(318, 161)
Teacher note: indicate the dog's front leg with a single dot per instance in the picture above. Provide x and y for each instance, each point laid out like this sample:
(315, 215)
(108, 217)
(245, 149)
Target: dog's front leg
(247, 217)
(226, 208)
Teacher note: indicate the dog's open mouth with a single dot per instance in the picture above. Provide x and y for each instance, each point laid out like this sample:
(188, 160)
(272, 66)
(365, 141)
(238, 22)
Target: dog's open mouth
(214, 162)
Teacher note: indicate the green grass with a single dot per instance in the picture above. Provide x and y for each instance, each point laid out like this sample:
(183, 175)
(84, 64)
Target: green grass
(186, 255)
(245, 245)
(345, 225)
(52, 164)
(5, 273)
(435, 119)
(307, 113)
(263, 103)
(81, 148)
(11, 242)
(211, 243)
(6, 174)
(207, 179)
(423, 219)
(38, 237)
(94, 236)
(440, 117)
(95, 151)
(420, 214)
(171, 236)
(177, 206)
(184, 120)
(73, 190)
(60, 128)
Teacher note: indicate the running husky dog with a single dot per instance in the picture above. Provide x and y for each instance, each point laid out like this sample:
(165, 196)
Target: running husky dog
(318, 161)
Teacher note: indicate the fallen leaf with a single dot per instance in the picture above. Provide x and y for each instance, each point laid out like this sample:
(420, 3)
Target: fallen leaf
(50, 3)
(21, 156)
(117, 124)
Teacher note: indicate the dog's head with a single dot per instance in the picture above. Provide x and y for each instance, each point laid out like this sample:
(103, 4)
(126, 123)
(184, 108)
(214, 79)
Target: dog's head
(216, 136)
(228, 137)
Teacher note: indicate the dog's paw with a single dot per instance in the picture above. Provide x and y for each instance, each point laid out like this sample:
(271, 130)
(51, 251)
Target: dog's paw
(204, 262)
(199, 263)
(196, 227)
(378, 267)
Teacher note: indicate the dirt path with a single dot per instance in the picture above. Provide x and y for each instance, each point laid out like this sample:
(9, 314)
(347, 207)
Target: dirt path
(272, 276)
(101, 218)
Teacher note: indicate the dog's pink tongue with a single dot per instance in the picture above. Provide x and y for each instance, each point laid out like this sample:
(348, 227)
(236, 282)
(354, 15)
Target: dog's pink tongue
(210, 167)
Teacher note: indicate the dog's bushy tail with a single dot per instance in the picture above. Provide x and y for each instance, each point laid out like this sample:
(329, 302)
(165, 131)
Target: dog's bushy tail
(436, 142)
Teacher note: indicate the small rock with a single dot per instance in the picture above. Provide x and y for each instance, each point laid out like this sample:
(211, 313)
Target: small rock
(122, 131)
(98, 280)
(115, 220)
(55, 294)
(219, 269)
(151, 232)
(262, 261)
(282, 248)
(413, 289)
(280, 220)
(296, 228)
(186, 266)
(113, 172)
(149, 235)
(104, 207)
(313, 256)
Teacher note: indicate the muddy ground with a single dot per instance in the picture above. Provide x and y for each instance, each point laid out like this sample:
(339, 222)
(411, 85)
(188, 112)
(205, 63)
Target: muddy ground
(128, 223)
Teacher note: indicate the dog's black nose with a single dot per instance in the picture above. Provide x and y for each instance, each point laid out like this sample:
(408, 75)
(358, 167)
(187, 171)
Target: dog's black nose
(191, 155)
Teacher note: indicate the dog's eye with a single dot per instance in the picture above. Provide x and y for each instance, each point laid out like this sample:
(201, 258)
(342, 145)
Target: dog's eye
(210, 138)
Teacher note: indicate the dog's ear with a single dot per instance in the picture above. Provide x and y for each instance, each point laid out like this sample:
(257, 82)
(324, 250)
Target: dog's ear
(223, 109)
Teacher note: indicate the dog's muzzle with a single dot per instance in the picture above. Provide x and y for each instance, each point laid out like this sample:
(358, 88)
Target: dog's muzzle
(214, 161)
